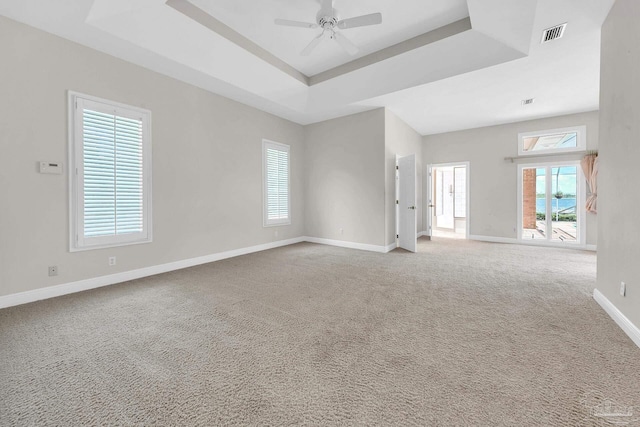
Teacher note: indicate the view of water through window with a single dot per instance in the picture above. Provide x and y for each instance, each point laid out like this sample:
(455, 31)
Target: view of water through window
(560, 203)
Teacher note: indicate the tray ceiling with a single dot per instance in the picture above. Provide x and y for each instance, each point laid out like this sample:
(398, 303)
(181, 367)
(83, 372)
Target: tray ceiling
(438, 69)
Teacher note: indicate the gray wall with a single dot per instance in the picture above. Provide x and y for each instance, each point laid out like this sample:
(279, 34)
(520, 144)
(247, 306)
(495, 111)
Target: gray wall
(493, 187)
(402, 140)
(207, 170)
(345, 178)
(618, 201)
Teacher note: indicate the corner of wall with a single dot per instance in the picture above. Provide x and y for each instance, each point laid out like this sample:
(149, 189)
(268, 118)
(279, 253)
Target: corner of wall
(345, 178)
(618, 228)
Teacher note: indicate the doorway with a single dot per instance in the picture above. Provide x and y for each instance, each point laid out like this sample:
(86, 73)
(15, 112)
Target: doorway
(448, 200)
(550, 197)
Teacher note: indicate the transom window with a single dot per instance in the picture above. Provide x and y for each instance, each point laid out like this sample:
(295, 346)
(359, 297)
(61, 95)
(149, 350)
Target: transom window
(552, 141)
(110, 157)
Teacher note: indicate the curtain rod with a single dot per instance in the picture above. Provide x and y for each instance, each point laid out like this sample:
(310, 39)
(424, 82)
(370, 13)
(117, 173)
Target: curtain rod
(570, 153)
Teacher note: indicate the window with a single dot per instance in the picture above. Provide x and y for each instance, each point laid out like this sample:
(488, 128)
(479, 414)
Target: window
(110, 173)
(552, 141)
(276, 183)
(551, 203)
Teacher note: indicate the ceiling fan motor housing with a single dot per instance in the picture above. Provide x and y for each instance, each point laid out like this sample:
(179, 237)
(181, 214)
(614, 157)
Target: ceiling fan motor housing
(327, 22)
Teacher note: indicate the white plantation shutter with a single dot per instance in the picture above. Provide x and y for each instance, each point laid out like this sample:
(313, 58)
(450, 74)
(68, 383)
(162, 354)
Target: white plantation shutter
(276, 179)
(277, 184)
(112, 166)
(113, 171)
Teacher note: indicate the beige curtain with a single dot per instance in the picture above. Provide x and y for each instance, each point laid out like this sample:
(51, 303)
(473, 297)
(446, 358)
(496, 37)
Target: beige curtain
(589, 165)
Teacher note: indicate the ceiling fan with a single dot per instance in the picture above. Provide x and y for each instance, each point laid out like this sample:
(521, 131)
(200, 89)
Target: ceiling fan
(327, 19)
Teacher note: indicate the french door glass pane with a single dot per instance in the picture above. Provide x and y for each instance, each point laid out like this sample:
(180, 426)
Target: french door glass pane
(534, 206)
(564, 186)
(549, 203)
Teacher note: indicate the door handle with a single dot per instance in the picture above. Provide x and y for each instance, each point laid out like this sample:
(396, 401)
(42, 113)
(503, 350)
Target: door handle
(432, 206)
(411, 207)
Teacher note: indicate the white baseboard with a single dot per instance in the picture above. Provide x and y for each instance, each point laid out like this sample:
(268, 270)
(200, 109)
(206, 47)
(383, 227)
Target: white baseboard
(394, 245)
(493, 239)
(112, 279)
(513, 241)
(345, 244)
(625, 324)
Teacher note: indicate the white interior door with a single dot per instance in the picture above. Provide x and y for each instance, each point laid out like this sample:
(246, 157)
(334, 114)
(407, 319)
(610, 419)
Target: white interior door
(444, 198)
(407, 224)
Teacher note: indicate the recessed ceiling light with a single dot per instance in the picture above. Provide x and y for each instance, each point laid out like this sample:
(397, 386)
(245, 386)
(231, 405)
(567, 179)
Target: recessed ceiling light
(553, 33)
(528, 101)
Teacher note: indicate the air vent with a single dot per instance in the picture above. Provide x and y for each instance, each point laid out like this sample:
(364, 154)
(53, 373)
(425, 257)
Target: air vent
(528, 101)
(553, 33)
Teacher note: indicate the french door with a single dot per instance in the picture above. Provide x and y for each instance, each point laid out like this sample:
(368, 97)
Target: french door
(551, 203)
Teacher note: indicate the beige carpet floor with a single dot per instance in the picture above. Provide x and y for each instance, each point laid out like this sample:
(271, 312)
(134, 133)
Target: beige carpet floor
(462, 333)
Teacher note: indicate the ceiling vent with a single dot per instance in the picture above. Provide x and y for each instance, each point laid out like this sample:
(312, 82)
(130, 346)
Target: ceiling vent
(528, 101)
(553, 33)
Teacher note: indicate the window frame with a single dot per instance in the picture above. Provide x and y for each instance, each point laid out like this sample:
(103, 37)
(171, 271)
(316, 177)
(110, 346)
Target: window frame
(581, 141)
(77, 242)
(266, 222)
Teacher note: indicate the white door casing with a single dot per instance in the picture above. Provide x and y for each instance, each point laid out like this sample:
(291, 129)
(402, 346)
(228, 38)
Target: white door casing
(407, 203)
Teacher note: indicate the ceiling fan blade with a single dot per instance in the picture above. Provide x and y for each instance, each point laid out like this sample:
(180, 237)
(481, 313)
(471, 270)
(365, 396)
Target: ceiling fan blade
(346, 44)
(307, 50)
(289, 23)
(360, 21)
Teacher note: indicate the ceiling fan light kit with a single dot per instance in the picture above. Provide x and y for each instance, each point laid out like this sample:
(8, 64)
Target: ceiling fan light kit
(327, 20)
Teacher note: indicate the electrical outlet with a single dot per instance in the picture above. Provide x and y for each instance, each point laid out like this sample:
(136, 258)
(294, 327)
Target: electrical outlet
(53, 270)
(342, 231)
(112, 260)
(275, 233)
(623, 289)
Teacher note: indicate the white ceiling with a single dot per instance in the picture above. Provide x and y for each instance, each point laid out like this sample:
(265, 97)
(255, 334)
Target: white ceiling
(402, 20)
(563, 76)
(464, 78)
